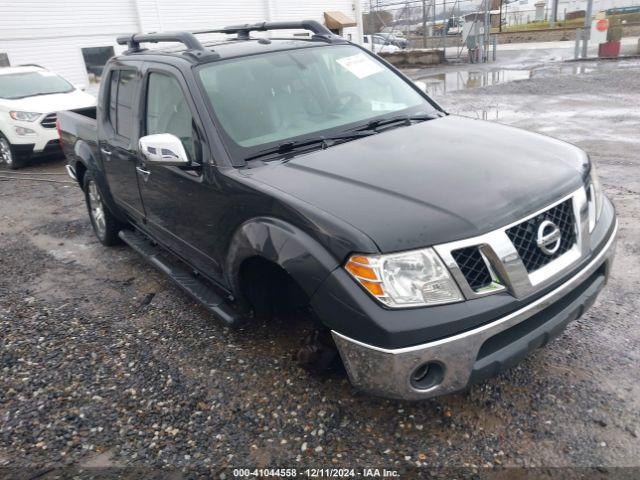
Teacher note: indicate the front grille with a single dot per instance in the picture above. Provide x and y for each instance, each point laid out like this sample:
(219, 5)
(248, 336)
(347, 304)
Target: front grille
(473, 267)
(524, 236)
(49, 121)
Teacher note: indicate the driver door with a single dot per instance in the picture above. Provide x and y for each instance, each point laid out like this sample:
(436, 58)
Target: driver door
(174, 198)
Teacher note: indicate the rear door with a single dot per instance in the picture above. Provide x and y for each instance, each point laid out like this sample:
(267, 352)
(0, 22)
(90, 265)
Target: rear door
(118, 137)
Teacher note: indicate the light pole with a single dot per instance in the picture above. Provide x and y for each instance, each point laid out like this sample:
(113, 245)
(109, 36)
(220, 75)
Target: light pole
(586, 34)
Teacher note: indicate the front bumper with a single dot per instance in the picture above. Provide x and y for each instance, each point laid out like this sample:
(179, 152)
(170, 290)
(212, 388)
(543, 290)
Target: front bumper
(452, 363)
(38, 142)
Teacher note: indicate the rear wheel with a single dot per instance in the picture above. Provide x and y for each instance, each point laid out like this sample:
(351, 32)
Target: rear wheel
(8, 154)
(105, 225)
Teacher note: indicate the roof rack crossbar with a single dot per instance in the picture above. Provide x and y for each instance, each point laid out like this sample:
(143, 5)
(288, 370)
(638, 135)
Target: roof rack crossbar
(319, 30)
(133, 41)
(189, 40)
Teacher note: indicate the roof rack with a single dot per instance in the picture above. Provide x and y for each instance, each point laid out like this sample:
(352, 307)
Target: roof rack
(194, 47)
(198, 51)
(320, 31)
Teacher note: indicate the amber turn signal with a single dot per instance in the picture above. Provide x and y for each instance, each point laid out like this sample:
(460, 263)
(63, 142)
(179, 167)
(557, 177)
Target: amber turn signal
(361, 271)
(360, 268)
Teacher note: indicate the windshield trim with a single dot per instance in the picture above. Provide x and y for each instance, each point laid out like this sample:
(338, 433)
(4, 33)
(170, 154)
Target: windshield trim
(36, 94)
(238, 154)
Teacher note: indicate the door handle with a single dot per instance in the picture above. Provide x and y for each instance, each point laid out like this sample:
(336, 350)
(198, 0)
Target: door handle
(143, 173)
(106, 153)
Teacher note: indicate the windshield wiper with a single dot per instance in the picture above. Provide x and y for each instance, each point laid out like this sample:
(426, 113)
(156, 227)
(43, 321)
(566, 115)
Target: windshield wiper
(398, 119)
(292, 147)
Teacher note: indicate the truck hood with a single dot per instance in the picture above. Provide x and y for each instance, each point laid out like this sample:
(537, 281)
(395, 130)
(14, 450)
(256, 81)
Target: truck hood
(433, 182)
(50, 103)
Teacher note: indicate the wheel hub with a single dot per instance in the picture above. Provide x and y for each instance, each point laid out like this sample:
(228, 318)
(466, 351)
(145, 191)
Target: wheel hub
(5, 152)
(96, 208)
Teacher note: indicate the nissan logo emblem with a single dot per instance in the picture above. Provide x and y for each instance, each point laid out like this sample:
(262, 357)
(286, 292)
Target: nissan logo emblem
(548, 237)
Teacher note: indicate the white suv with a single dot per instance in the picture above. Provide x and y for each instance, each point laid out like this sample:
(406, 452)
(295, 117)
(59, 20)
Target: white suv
(30, 96)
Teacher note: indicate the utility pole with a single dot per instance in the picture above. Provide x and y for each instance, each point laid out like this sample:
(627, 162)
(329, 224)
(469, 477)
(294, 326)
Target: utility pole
(407, 26)
(445, 27)
(586, 33)
(487, 30)
(554, 13)
(371, 21)
(424, 23)
(357, 8)
(434, 18)
(500, 26)
(506, 16)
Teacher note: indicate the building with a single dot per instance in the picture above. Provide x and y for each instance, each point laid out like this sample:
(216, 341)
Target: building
(76, 37)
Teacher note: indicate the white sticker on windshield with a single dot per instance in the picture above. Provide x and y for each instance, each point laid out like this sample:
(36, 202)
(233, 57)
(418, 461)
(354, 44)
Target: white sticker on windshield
(378, 106)
(360, 65)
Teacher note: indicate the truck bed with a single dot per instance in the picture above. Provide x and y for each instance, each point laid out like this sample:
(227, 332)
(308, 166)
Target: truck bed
(77, 127)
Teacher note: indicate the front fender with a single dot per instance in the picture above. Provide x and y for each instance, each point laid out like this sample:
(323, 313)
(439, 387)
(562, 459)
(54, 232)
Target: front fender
(306, 260)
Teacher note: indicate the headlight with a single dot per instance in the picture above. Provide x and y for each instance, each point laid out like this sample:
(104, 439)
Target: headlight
(24, 116)
(594, 197)
(410, 279)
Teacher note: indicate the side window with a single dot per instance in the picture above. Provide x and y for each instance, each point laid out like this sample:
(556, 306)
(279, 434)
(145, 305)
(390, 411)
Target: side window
(113, 94)
(124, 102)
(168, 111)
(122, 88)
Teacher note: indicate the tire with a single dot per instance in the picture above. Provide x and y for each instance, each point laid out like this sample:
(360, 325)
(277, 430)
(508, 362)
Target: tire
(105, 225)
(8, 154)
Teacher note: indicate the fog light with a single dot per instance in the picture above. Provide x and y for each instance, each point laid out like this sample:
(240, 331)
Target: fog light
(24, 131)
(427, 375)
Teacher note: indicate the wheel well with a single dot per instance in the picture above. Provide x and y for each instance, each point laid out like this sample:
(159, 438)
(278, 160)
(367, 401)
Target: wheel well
(269, 289)
(81, 169)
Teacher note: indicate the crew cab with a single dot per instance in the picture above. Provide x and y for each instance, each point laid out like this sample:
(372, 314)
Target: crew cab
(307, 174)
(30, 96)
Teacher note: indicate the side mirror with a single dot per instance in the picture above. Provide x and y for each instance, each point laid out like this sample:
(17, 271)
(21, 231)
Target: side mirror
(163, 149)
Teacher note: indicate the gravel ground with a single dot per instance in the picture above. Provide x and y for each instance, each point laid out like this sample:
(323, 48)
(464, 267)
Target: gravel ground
(105, 364)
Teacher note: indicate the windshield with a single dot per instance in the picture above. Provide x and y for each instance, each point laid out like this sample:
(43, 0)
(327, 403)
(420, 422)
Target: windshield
(270, 98)
(29, 84)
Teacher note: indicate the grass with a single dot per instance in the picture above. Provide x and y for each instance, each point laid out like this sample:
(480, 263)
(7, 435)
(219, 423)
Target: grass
(524, 27)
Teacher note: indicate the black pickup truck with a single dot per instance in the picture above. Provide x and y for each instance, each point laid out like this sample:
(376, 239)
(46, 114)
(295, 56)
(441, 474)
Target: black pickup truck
(305, 173)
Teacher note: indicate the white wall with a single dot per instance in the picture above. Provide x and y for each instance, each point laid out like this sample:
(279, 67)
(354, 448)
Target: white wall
(51, 33)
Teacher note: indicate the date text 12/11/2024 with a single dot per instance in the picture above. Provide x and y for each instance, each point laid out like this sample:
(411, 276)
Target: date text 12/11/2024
(315, 473)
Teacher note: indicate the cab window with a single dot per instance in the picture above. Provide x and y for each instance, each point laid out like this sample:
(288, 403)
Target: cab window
(122, 90)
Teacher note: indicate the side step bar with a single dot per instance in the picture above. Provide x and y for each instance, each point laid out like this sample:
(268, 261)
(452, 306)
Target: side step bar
(198, 288)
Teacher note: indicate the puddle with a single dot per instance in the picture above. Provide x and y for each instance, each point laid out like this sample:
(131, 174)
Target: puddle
(447, 82)
(550, 70)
